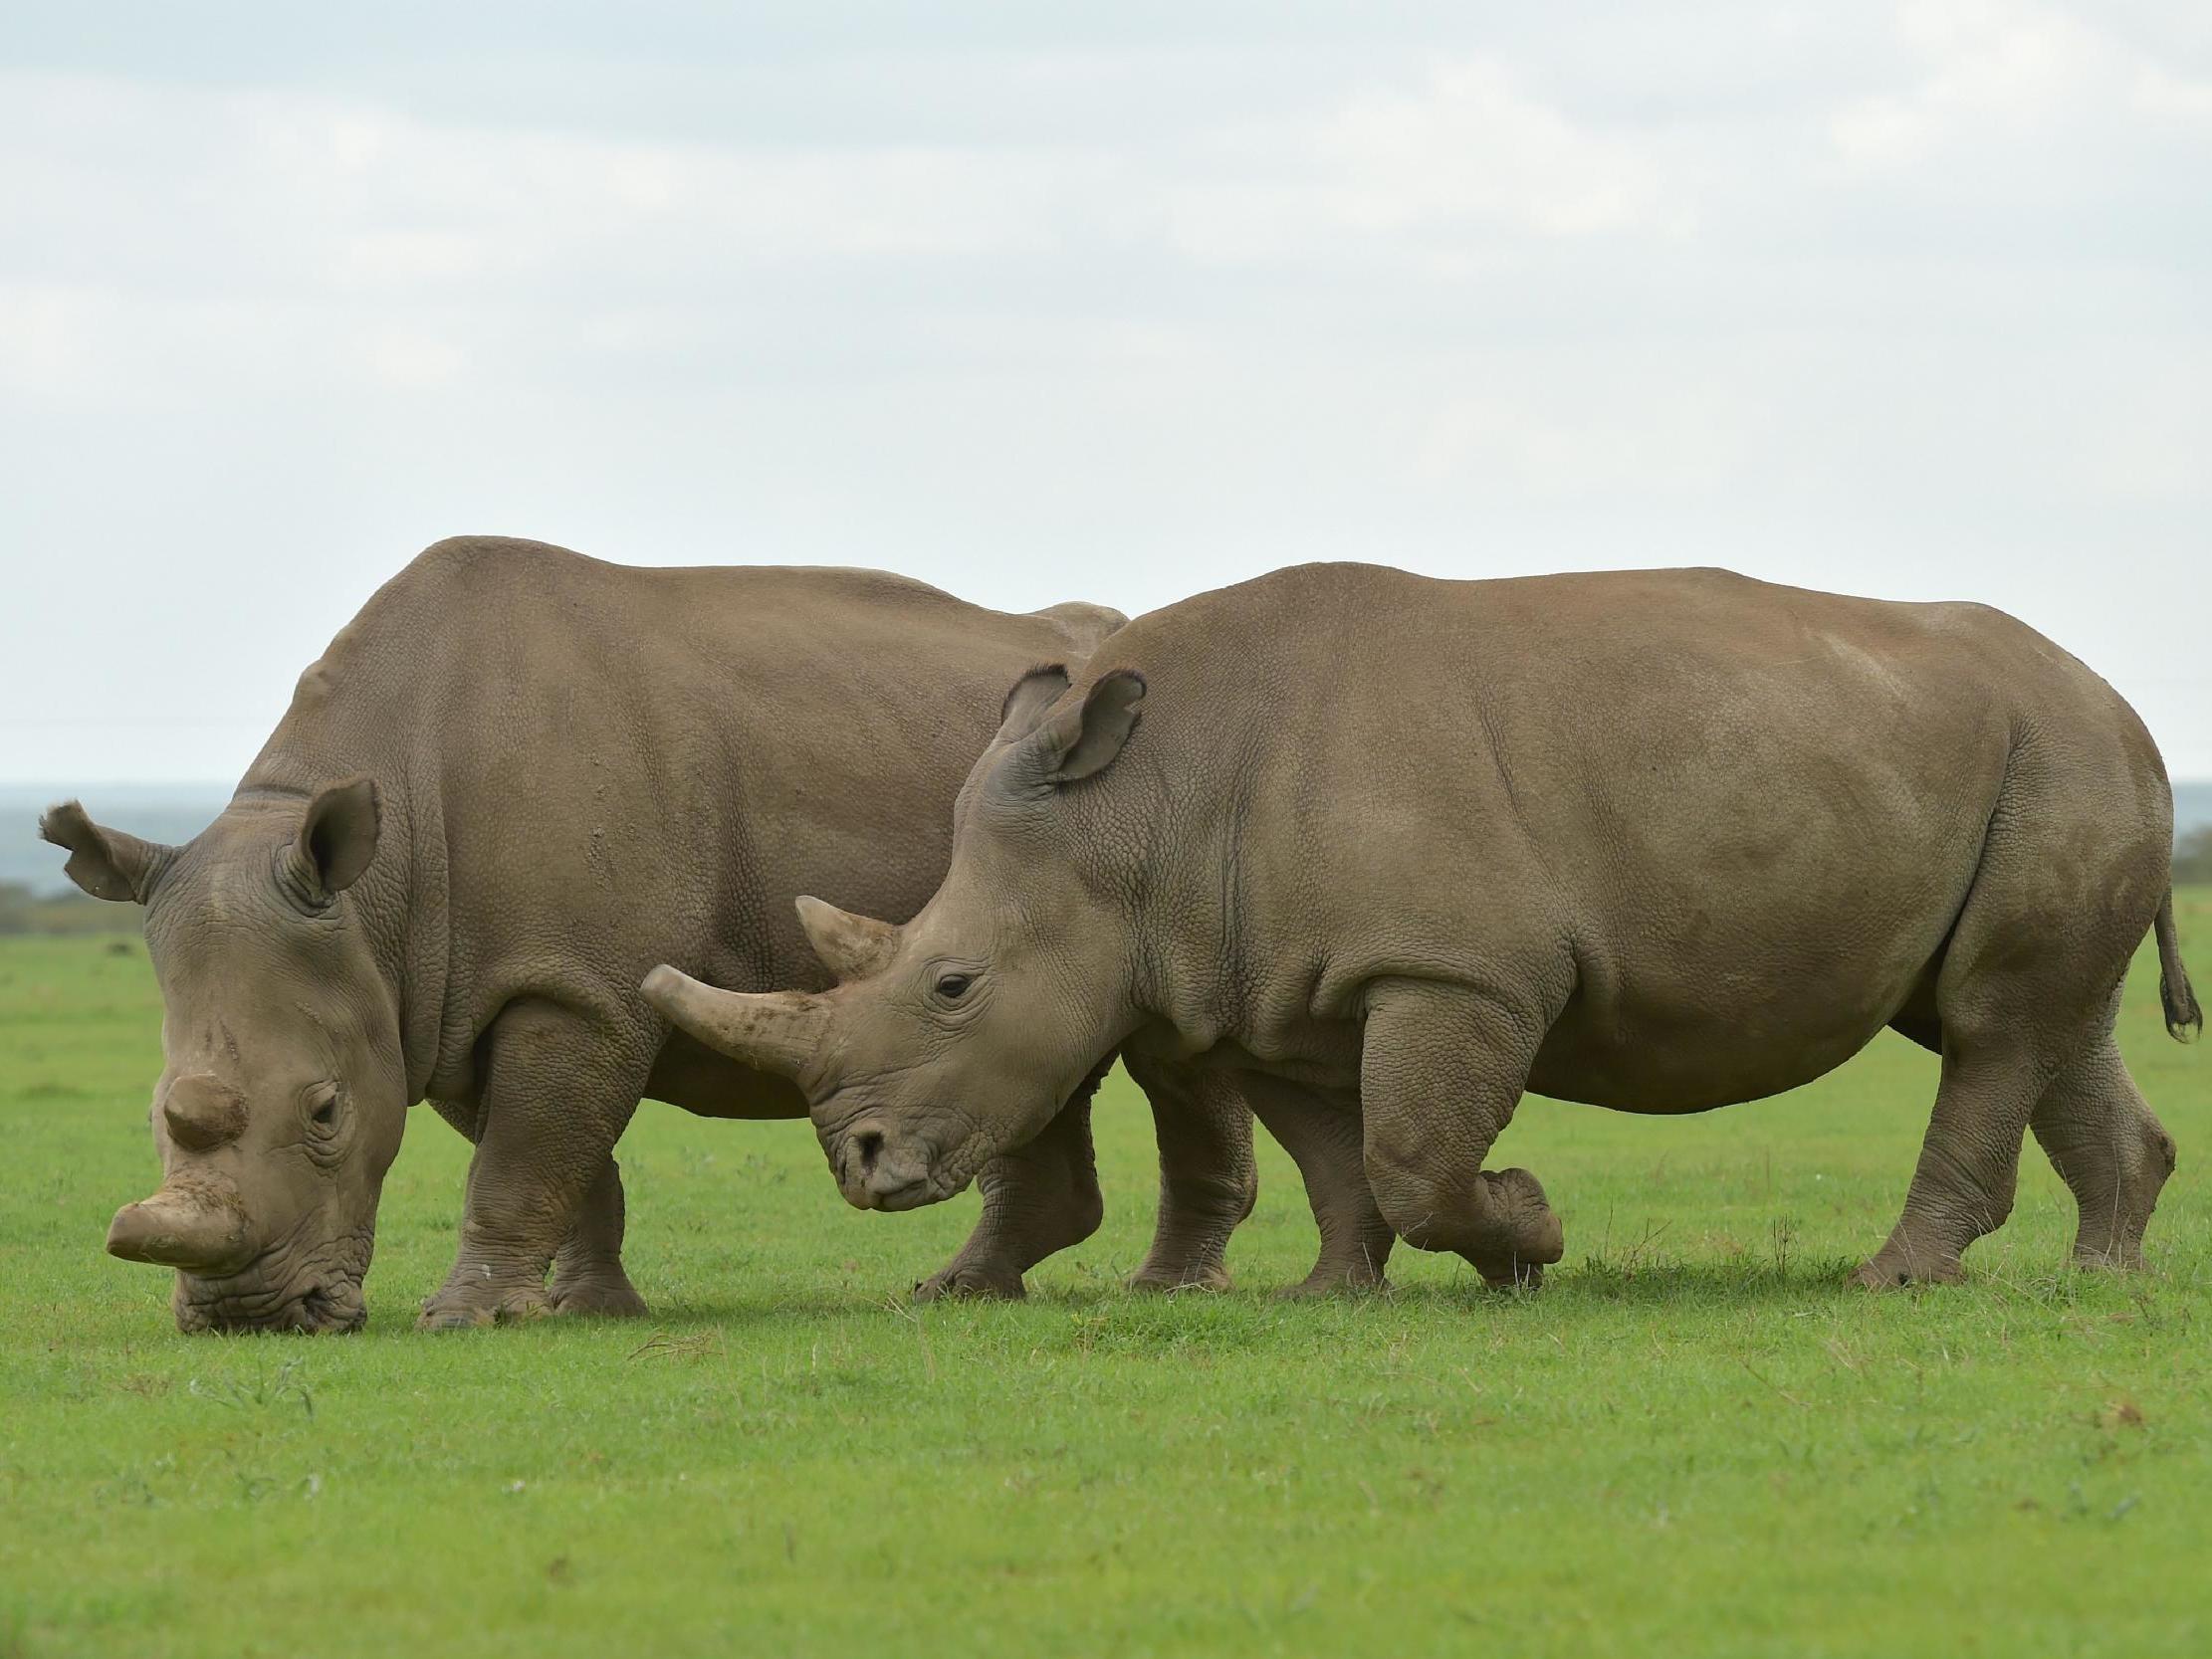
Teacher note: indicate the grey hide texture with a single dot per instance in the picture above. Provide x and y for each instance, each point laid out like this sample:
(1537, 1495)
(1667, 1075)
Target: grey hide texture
(515, 782)
(1389, 851)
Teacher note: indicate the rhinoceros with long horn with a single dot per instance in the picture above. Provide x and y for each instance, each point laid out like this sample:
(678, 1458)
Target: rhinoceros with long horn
(514, 782)
(1392, 851)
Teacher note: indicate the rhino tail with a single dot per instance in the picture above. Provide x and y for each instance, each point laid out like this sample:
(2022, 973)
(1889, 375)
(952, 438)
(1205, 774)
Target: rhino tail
(2184, 1017)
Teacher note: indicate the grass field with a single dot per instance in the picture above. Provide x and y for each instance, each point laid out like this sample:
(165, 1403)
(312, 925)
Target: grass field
(1694, 1440)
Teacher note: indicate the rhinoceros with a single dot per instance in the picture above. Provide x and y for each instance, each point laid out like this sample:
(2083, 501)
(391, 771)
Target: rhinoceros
(1394, 850)
(514, 782)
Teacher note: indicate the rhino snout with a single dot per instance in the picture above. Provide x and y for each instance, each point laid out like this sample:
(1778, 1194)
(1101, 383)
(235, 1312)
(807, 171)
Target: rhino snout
(876, 1173)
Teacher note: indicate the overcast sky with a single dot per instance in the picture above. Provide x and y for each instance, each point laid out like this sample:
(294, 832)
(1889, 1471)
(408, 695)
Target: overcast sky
(1116, 302)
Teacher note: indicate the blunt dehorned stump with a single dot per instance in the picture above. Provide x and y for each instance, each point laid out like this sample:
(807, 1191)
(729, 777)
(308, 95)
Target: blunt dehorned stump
(514, 782)
(1390, 851)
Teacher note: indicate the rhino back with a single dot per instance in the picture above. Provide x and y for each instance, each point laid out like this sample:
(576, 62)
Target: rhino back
(596, 767)
(1707, 793)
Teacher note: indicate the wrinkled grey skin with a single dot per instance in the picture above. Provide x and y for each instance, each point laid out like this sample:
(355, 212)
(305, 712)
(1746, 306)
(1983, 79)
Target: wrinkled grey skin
(514, 782)
(1393, 851)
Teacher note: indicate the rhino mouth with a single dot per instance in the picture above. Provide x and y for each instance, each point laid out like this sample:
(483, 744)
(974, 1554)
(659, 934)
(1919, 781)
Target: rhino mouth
(279, 1292)
(907, 1175)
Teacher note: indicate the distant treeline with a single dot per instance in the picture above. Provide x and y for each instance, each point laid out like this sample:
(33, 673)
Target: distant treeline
(2192, 856)
(23, 910)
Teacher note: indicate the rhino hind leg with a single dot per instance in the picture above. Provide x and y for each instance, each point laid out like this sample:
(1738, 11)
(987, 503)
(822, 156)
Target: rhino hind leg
(2024, 1002)
(1969, 1167)
(587, 1275)
(1038, 1199)
(558, 1092)
(2110, 1151)
(2102, 1139)
(1323, 1137)
(1207, 1180)
(1442, 1068)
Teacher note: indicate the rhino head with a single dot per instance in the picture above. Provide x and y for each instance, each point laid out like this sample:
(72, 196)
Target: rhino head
(282, 1093)
(960, 1034)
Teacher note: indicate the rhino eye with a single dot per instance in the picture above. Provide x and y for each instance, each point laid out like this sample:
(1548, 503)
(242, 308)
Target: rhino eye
(323, 1107)
(953, 987)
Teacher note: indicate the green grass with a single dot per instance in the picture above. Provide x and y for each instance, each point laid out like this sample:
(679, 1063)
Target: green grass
(1693, 1439)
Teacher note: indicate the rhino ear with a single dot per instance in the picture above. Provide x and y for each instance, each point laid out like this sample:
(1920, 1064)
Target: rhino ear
(105, 863)
(1082, 741)
(1026, 702)
(338, 838)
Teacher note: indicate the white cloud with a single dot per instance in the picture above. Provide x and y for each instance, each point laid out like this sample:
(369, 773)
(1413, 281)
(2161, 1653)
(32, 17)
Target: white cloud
(1468, 144)
(1998, 70)
(1896, 301)
(1433, 172)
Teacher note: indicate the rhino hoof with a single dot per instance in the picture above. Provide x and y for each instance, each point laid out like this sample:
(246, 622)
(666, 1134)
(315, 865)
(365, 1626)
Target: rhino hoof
(597, 1299)
(435, 1318)
(1881, 1275)
(986, 1283)
(455, 1314)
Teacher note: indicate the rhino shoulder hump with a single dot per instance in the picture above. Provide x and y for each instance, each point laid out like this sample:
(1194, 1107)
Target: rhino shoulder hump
(1084, 624)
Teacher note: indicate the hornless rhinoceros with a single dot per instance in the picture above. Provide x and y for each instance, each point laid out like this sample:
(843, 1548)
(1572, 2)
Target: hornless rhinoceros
(1394, 850)
(518, 779)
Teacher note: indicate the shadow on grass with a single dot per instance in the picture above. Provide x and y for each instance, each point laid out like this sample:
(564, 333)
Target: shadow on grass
(1748, 1280)
(1701, 1283)
(1632, 1280)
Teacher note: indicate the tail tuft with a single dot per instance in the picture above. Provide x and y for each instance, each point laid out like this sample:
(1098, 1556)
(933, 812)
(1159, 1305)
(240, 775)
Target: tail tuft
(2184, 1016)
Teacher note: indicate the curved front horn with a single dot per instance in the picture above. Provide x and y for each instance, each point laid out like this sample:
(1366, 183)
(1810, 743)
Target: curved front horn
(851, 946)
(775, 1031)
(190, 1229)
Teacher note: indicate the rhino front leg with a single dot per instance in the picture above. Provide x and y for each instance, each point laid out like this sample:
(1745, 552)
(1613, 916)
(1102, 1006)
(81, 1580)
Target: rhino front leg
(587, 1268)
(1442, 1068)
(1323, 1137)
(554, 1102)
(587, 1276)
(1208, 1179)
(1038, 1199)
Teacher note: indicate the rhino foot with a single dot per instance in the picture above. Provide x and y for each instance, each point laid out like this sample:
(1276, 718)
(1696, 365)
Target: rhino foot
(1887, 1273)
(595, 1298)
(447, 1311)
(2123, 1256)
(977, 1279)
(1329, 1279)
(1527, 1233)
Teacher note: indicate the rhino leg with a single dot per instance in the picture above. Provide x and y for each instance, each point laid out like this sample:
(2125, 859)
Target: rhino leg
(1207, 1180)
(587, 1269)
(1442, 1068)
(2025, 996)
(557, 1097)
(2106, 1143)
(2110, 1151)
(587, 1276)
(1969, 1169)
(1038, 1199)
(1323, 1137)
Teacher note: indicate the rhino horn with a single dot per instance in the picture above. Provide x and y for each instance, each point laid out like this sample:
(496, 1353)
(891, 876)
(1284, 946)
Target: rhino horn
(775, 1031)
(202, 1112)
(851, 946)
(184, 1227)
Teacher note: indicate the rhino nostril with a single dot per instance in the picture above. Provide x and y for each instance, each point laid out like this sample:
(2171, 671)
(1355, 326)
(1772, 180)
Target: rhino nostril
(867, 1145)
